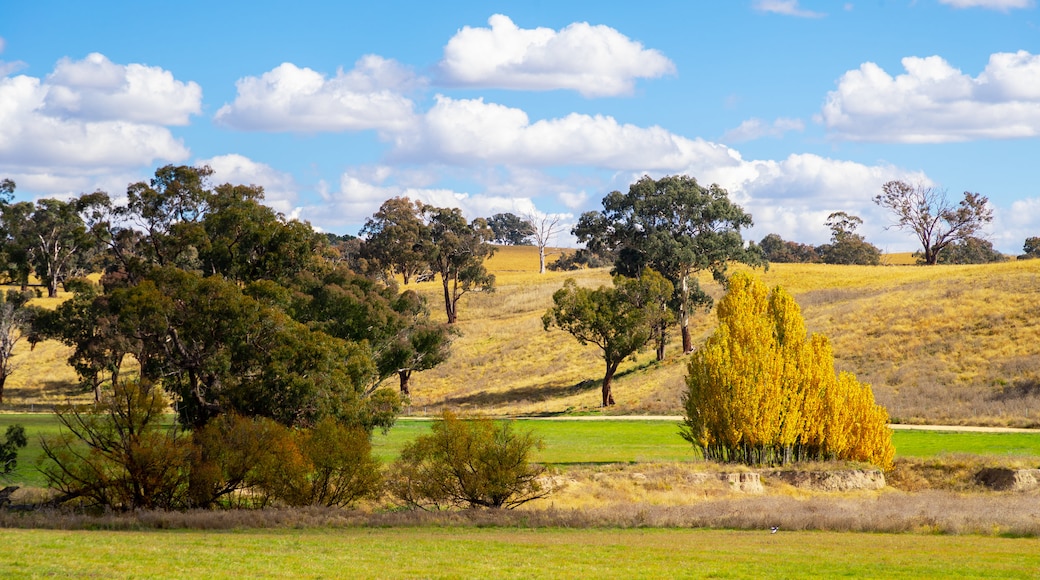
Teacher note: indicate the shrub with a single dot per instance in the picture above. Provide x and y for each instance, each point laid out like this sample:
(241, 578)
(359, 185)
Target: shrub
(14, 439)
(761, 391)
(117, 453)
(468, 463)
(233, 454)
(338, 468)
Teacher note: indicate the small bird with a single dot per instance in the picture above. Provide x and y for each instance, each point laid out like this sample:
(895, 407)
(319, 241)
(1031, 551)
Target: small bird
(774, 529)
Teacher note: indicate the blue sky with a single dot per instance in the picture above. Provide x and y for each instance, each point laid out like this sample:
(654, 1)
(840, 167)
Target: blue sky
(799, 108)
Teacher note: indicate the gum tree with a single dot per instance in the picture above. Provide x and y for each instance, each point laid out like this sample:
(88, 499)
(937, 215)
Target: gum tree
(675, 226)
(932, 216)
(619, 320)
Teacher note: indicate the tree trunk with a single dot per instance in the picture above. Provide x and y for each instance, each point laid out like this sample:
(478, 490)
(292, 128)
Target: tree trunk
(3, 379)
(608, 396)
(449, 305)
(541, 259)
(52, 288)
(662, 337)
(405, 375)
(684, 314)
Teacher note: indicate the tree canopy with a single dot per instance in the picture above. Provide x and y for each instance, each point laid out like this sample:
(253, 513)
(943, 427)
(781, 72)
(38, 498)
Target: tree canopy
(761, 391)
(848, 247)
(676, 227)
(232, 308)
(510, 229)
(619, 320)
(931, 215)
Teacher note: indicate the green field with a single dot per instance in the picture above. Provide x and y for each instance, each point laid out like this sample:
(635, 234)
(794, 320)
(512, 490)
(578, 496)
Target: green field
(432, 552)
(613, 441)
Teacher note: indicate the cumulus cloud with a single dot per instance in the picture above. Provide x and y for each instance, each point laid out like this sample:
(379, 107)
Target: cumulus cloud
(1001, 5)
(596, 61)
(35, 137)
(934, 102)
(363, 191)
(793, 196)
(752, 129)
(1012, 225)
(280, 189)
(290, 98)
(470, 131)
(787, 8)
(96, 89)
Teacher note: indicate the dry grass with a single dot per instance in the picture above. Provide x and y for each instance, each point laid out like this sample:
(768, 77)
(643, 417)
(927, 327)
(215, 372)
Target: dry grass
(945, 344)
(949, 344)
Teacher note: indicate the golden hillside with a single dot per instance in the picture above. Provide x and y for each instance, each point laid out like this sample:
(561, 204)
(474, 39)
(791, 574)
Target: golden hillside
(948, 344)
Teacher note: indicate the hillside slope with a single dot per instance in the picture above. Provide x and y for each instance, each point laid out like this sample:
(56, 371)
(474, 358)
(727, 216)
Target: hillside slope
(943, 344)
(947, 344)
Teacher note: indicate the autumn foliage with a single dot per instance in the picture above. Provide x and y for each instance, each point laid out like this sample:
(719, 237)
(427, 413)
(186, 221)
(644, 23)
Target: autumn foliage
(761, 391)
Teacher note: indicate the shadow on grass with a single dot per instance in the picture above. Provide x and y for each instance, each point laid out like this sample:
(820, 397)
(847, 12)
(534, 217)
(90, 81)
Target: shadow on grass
(1024, 389)
(532, 393)
(41, 397)
(538, 392)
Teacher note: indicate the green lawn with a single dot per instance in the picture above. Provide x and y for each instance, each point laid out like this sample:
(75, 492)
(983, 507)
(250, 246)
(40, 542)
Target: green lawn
(627, 441)
(433, 552)
(624, 441)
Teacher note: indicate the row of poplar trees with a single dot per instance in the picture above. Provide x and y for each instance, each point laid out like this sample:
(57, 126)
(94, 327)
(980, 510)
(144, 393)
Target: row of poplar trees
(761, 391)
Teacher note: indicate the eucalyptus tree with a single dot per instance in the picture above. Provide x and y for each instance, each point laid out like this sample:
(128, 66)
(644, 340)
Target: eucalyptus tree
(544, 228)
(848, 247)
(932, 216)
(510, 229)
(393, 239)
(456, 251)
(56, 241)
(676, 227)
(620, 320)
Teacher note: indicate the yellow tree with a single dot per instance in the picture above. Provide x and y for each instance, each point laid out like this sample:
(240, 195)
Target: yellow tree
(761, 391)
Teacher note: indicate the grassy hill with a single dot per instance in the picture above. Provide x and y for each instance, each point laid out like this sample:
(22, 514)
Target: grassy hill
(948, 344)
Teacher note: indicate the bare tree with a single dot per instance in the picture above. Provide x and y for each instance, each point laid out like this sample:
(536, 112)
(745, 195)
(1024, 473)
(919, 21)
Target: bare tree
(930, 214)
(546, 226)
(14, 318)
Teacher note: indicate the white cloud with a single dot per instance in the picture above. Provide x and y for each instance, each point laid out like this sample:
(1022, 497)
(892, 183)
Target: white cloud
(934, 102)
(470, 131)
(363, 189)
(96, 89)
(596, 61)
(360, 195)
(793, 196)
(34, 139)
(280, 189)
(1002, 5)
(786, 7)
(1014, 224)
(752, 129)
(289, 98)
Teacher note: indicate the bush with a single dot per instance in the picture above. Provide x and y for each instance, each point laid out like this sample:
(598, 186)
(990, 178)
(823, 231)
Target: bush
(969, 251)
(252, 462)
(468, 463)
(761, 391)
(237, 460)
(117, 453)
(14, 439)
(338, 467)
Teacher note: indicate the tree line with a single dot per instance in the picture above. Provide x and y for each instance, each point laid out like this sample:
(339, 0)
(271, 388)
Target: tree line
(263, 331)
